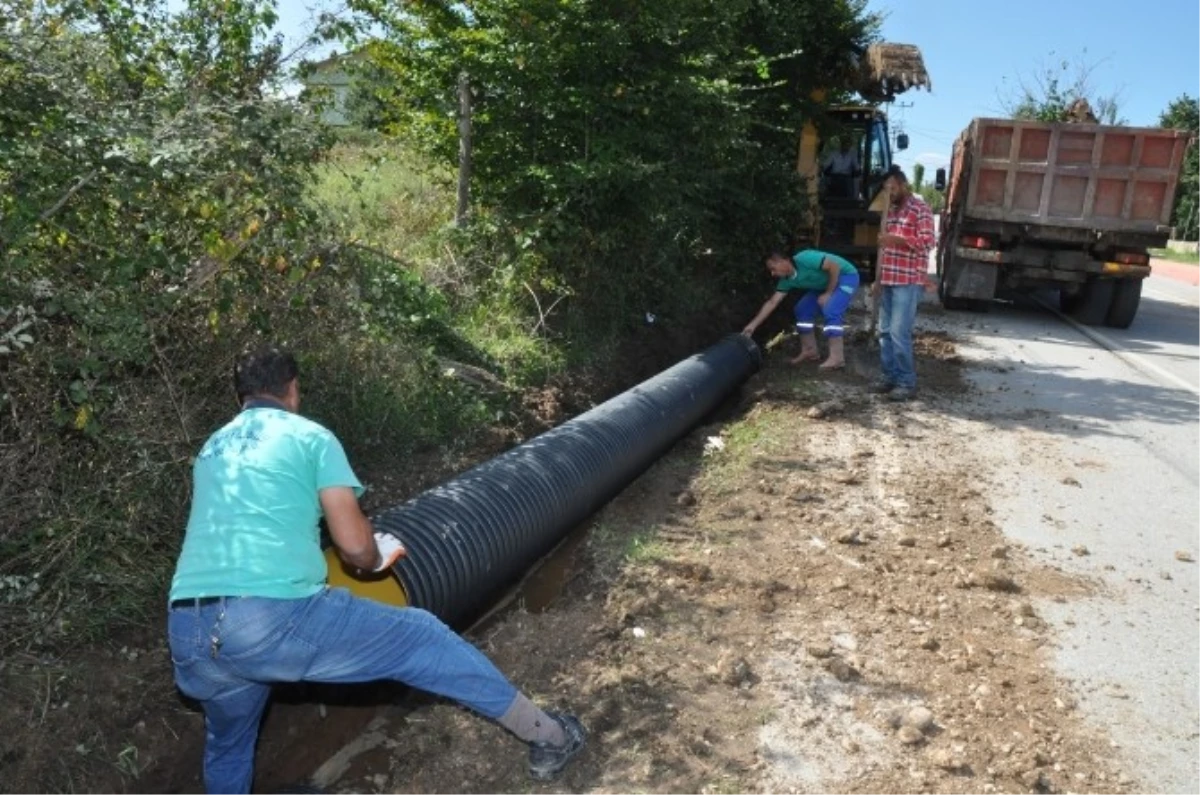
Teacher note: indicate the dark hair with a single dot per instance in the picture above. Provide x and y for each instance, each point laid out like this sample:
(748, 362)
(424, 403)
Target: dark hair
(898, 173)
(775, 253)
(264, 371)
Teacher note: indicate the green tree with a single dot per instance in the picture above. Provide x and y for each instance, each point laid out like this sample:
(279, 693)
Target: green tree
(1184, 114)
(1053, 90)
(153, 201)
(932, 196)
(630, 149)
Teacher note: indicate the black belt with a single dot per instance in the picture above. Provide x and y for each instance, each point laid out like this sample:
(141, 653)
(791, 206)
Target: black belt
(200, 601)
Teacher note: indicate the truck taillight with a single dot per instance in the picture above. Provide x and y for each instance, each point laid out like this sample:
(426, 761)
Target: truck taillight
(1131, 257)
(975, 241)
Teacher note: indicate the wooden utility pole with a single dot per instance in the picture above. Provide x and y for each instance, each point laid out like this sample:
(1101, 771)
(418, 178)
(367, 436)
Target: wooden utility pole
(464, 150)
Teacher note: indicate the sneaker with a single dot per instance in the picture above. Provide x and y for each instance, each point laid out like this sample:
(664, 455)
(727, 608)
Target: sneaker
(547, 761)
(881, 387)
(901, 394)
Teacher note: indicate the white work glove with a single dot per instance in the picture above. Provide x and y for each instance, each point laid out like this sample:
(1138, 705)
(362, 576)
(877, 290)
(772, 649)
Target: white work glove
(390, 550)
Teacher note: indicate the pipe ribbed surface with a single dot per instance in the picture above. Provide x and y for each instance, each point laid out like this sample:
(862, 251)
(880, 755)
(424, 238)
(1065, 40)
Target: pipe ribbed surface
(479, 531)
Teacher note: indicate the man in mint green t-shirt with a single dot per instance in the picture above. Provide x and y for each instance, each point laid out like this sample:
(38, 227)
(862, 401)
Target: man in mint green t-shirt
(249, 605)
(828, 282)
(266, 456)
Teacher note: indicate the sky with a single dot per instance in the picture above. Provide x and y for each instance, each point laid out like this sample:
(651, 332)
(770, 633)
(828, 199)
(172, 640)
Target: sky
(1146, 53)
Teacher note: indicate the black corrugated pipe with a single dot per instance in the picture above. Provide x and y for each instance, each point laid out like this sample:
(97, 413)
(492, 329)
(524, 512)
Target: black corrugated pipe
(479, 531)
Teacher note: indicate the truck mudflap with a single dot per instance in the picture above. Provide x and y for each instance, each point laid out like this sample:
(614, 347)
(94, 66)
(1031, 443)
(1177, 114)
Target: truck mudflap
(971, 276)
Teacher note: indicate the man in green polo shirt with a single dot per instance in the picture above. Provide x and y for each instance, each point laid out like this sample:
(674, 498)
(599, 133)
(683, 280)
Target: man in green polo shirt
(828, 283)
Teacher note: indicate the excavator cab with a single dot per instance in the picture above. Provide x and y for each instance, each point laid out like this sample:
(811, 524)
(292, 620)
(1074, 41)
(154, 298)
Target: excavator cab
(846, 198)
(845, 209)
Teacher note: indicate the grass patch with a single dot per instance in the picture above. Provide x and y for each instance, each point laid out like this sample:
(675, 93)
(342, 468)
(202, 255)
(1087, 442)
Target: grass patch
(1186, 257)
(763, 432)
(385, 197)
(615, 545)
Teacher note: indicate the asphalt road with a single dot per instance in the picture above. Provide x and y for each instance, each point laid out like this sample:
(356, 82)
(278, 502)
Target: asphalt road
(1094, 465)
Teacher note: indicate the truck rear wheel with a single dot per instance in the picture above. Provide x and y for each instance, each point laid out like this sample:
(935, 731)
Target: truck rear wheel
(1094, 299)
(1127, 294)
(1068, 302)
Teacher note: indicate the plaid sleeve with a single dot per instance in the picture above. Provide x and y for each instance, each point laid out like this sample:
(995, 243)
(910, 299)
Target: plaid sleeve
(925, 241)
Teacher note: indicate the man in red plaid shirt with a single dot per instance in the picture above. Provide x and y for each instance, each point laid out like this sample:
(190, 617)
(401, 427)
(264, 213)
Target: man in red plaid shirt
(904, 248)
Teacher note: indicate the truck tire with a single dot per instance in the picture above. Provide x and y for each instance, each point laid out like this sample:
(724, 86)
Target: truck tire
(1068, 302)
(1127, 294)
(1094, 299)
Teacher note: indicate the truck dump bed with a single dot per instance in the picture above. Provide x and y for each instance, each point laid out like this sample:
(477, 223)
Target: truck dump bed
(1088, 176)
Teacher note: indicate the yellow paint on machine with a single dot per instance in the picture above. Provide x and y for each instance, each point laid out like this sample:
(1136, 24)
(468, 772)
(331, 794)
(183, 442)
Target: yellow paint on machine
(384, 588)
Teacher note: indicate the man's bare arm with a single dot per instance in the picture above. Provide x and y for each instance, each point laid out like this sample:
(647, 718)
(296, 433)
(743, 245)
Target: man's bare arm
(764, 313)
(352, 534)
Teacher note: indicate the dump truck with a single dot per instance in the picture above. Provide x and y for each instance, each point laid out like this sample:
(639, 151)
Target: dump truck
(1068, 206)
(847, 222)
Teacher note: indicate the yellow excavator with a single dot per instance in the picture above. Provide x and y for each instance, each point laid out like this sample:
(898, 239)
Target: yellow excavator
(844, 213)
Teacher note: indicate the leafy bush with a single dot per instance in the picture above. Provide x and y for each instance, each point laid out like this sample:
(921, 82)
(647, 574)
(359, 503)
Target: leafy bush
(157, 215)
(1184, 114)
(626, 151)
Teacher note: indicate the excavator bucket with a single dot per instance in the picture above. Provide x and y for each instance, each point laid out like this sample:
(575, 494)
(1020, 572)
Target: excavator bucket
(889, 70)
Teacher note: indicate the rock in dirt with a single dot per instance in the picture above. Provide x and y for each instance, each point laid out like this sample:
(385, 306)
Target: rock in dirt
(848, 537)
(992, 581)
(1081, 550)
(907, 541)
(930, 644)
(826, 409)
(1185, 556)
(1070, 481)
(999, 552)
(821, 652)
(686, 498)
(945, 759)
(909, 735)
(920, 718)
(841, 670)
(736, 672)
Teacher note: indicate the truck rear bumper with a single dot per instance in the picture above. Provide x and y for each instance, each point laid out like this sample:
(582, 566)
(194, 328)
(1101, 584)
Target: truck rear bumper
(1073, 267)
(1125, 270)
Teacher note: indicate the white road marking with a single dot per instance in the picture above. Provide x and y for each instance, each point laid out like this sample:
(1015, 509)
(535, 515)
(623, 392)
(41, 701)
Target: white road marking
(1140, 363)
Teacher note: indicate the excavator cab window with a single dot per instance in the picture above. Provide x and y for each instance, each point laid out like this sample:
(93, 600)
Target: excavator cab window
(879, 156)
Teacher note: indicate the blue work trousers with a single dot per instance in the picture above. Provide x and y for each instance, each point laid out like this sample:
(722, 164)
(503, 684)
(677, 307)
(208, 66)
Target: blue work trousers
(839, 300)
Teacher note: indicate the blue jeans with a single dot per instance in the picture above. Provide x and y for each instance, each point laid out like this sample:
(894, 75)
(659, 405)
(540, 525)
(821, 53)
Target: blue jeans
(807, 307)
(329, 637)
(897, 313)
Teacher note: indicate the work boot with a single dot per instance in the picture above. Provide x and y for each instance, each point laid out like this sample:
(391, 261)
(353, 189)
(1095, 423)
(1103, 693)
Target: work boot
(546, 761)
(881, 387)
(901, 394)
